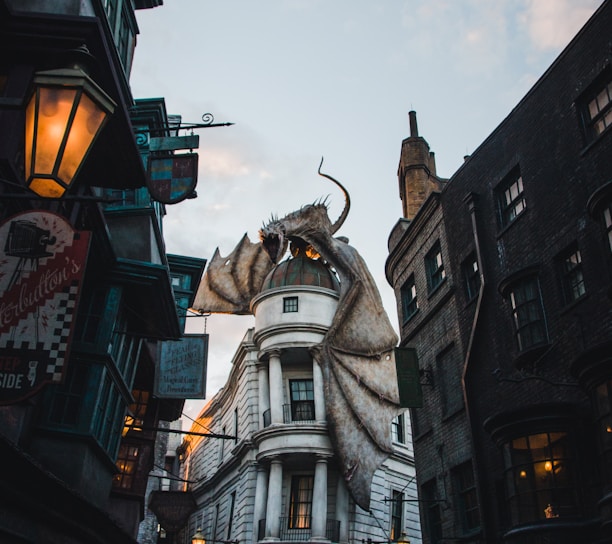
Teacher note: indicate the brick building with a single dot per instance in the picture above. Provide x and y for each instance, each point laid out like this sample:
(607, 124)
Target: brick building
(502, 276)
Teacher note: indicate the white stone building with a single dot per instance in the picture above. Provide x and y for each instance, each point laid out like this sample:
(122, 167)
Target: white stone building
(277, 480)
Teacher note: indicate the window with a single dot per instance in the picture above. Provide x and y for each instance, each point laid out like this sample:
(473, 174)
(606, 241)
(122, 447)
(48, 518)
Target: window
(127, 463)
(231, 514)
(540, 477)
(302, 400)
(67, 399)
(467, 499)
(300, 504)
(434, 268)
(471, 276)
(433, 518)
(608, 224)
(397, 510)
(598, 107)
(448, 373)
(110, 410)
(510, 199)
(603, 409)
(96, 321)
(528, 313)
(290, 304)
(397, 429)
(135, 418)
(408, 294)
(235, 426)
(572, 279)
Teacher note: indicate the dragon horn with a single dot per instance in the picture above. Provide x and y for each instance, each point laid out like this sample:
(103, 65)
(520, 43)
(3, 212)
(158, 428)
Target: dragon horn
(336, 226)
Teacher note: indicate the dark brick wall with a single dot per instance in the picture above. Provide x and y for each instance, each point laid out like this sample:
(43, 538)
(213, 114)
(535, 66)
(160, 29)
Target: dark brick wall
(560, 169)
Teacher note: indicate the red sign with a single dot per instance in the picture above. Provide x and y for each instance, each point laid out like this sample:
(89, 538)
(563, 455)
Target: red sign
(42, 260)
(173, 179)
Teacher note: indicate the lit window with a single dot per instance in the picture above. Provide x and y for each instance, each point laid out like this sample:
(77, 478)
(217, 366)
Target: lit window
(127, 463)
(434, 267)
(510, 199)
(290, 304)
(397, 429)
(397, 510)
(300, 505)
(467, 499)
(471, 276)
(410, 304)
(540, 477)
(603, 409)
(528, 313)
(572, 279)
(135, 418)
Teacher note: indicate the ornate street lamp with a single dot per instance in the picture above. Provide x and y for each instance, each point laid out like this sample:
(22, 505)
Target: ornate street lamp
(198, 537)
(64, 115)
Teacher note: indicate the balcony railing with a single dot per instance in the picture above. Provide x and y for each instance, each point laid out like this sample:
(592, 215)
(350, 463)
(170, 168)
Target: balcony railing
(297, 412)
(298, 529)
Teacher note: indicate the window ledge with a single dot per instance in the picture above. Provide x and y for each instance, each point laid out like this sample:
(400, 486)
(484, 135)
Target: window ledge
(433, 291)
(530, 355)
(571, 305)
(595, 141)
(411, 317)
(507, 227)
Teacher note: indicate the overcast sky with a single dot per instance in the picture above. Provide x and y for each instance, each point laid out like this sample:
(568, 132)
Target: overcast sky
(302, 79)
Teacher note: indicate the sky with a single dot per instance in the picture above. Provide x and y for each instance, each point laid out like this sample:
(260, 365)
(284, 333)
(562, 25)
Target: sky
(306, 79)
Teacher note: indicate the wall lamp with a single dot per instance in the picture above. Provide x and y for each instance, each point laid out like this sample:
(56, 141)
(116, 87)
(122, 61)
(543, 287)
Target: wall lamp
(64, 115)
(198, 538)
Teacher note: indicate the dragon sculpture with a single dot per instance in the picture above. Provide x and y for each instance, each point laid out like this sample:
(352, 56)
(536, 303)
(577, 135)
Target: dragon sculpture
(356, 354)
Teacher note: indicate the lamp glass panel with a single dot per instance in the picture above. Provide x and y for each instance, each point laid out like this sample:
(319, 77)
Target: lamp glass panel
(87, 121)
(47, 187)
(54, 108)
(29, 135)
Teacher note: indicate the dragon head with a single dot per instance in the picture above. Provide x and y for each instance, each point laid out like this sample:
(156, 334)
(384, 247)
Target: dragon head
(301, 227)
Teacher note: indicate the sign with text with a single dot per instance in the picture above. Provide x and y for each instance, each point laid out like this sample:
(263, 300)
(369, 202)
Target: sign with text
(408, 378)
(174, 178)
(181, 368)
(42, 261)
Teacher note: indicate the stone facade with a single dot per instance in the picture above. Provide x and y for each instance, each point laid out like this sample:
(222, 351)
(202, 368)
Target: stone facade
(274, 477)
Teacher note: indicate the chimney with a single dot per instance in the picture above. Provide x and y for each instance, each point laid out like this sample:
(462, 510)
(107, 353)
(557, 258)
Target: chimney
(416, 172)
(414, 129)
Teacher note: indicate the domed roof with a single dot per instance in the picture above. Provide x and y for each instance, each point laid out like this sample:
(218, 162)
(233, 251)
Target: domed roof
(301, 270)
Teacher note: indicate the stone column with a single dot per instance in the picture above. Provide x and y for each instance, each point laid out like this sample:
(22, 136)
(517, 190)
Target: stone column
(342, 509)
(274, 503)
(276, 387)
(264, 391)
(319, 397)
(319, 499)
(261, 498)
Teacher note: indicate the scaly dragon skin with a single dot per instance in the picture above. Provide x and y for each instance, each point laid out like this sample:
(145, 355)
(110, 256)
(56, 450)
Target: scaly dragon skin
(356, 355)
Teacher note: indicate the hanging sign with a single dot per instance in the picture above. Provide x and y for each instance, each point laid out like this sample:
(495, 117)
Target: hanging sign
(42, 260)
(173, 179)
(181, 368)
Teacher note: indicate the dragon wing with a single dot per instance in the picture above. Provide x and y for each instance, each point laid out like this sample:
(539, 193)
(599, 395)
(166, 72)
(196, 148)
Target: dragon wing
(230, 283)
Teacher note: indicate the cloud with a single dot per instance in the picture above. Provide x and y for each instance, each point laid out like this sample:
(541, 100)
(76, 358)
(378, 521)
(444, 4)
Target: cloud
(553, 23)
